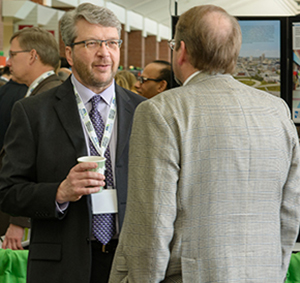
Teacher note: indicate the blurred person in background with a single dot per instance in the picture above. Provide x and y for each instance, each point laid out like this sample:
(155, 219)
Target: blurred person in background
(5, 75)
(121, 81)
(33, 59)
(9, 94)
(126, 78)
(156, 77)
(65, 70)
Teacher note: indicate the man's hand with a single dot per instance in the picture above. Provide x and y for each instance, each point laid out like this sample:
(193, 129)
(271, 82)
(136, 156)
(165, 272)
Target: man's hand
(80, 182)
(13, 237)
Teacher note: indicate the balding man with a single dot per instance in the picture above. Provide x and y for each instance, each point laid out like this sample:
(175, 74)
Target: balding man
(214, 174)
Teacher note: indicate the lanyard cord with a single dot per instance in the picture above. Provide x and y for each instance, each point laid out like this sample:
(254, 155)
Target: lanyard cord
(101, 148)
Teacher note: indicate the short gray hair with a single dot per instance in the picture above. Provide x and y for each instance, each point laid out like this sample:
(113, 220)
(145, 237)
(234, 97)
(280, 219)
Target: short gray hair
(42, 41)
(92, 14)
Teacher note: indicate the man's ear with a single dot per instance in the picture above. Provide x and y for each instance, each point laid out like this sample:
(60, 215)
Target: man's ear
(68, 54)
(162, 86)
(182, 54)
(33, 56)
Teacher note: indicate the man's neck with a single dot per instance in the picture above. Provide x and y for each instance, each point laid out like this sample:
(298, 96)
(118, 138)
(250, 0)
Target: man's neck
(187, 71)
(191, 76)
(38, 72)
(94, 89)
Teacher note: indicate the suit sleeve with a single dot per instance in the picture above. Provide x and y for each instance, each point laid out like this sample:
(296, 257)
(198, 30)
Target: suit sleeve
(290, 207)
(143, 251)
(20, 192)
(290, 212)
(23, 222)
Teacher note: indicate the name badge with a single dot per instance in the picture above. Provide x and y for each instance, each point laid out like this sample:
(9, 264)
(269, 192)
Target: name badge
(105, 202)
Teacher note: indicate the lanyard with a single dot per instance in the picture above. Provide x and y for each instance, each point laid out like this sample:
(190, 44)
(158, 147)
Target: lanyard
(4, 79)
(43, 76)
(89, 125)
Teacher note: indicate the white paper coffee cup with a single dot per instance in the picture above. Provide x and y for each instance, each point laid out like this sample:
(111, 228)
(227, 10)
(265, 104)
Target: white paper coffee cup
(97, 159)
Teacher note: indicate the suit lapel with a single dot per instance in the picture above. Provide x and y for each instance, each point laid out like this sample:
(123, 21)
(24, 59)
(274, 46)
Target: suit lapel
(125, 114)
(67, 112)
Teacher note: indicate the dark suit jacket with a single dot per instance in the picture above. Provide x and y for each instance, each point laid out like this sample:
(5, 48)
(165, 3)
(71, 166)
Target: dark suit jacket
(48, 83)
(9, 94)
(43, 143)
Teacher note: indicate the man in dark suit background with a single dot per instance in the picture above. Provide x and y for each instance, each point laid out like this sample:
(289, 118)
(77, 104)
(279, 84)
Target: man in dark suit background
(9, 94)
(33, 59)
(40, 177)
(5, 75)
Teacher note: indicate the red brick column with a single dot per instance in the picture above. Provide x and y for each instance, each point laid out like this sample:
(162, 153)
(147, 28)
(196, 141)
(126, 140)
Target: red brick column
(164, 51)
(124, 49)
(151, 49)
(62, 47)
(136, 49)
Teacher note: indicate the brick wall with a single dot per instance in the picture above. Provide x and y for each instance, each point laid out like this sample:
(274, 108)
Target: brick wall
(136, 49)
(62, 46)
(164, 51)
(124, 49)
(151, 49)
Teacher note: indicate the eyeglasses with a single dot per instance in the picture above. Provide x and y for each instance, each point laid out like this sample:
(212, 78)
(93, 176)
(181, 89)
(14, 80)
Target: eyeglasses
(92, 44)
(13, 53)
(171, 44)
(143, 79)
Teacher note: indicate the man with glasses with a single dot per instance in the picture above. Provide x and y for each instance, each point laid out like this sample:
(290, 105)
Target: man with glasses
(156, 77)
(214, 170)
(33, 59)
(73, 238)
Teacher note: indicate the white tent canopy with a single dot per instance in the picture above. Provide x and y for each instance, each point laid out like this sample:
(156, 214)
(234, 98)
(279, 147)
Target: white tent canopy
(153, 17)
(161, 10)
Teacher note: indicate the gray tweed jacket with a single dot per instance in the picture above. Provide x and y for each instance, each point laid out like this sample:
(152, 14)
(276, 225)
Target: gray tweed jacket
(214, 187)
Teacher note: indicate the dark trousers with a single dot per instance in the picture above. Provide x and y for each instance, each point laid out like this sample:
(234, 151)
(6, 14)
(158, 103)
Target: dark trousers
(102, 258)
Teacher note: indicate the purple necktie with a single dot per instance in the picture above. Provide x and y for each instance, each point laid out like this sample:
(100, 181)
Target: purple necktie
(103, 225)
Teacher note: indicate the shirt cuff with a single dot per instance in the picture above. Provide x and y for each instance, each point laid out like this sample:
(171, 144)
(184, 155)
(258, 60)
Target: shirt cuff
(61, 207)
